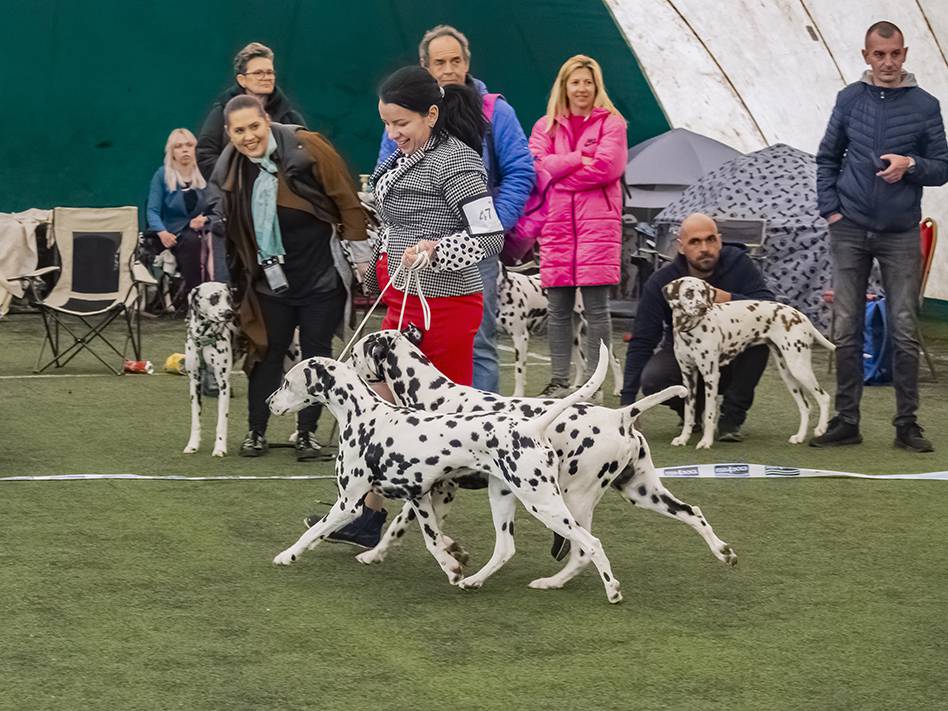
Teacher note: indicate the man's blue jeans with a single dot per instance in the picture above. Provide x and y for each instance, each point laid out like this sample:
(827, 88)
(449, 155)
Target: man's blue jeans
(486, 366)
(899, 255)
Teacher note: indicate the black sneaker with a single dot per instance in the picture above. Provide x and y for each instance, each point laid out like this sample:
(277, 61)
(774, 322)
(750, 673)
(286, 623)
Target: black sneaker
(254, 445)
(838, 433)
(560, 548)
(364, 532)
(729, 431)
(555, 389)
(307, 448)
(910, 437)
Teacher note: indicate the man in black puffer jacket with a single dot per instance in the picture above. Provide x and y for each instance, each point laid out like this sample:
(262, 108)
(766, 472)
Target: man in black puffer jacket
(885, 141)
(254, 75)
(734, 276)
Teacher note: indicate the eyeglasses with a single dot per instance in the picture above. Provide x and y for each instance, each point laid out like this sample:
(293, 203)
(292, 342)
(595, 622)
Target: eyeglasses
(261, 74)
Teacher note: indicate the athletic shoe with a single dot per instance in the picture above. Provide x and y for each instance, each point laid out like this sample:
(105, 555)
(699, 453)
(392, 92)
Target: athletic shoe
(307, 448)
(364, 532)
(560, 547)
(838, 433)
(729, 431)
(254, 445)
(910, 437)
(555, 389)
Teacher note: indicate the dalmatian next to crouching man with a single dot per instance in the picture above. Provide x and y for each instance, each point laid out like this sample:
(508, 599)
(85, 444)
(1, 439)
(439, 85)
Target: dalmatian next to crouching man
(596, 446)
(708, 335)
(379, 452)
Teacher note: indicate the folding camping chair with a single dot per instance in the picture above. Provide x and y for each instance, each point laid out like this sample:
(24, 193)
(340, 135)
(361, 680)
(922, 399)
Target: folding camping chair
(99, 281)
(752, 233)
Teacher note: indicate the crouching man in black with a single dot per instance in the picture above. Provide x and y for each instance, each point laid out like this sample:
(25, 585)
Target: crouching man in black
(734, 276)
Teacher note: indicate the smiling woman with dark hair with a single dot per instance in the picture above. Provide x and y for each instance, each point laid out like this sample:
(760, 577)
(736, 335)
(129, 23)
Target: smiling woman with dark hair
(286, 198)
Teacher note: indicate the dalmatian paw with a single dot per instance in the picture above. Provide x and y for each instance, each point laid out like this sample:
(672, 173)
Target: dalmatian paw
(727, 555)
(680, 441)
(369, 557)
(470, 583)
(614, 596)
(287, 557)
(705, 443)
(193, 445)
(819, 430)
(550, 583)
(796, 439)
(219, 452)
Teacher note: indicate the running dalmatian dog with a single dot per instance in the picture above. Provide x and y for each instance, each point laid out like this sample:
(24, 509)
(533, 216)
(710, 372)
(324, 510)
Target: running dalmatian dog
(379, 451)
(596, 446)
(522, 310)
(210, 338)
(708, 335)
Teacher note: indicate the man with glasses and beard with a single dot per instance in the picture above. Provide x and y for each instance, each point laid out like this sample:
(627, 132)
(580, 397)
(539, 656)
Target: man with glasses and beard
(734, 277)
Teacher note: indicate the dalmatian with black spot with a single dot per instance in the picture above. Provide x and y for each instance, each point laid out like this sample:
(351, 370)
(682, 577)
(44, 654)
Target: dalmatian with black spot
(379, 451)
(210, 338)
(709, 335)
(522, 310)
(596, 446)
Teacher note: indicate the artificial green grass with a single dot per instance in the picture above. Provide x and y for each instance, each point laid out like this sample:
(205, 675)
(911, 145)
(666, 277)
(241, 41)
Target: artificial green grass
(161, 595)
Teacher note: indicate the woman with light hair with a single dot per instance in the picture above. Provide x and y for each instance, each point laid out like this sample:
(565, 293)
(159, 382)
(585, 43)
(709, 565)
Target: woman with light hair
(176, 204)
(580, 150)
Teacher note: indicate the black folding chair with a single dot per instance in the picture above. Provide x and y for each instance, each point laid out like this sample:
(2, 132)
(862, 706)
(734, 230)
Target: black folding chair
(99, 281)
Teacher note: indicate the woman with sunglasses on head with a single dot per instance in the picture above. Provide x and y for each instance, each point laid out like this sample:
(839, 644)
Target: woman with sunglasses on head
(255, 76)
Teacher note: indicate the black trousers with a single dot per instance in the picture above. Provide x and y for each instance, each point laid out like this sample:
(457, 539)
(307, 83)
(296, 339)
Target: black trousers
(738, 380)
(318, 318)
(188, 253)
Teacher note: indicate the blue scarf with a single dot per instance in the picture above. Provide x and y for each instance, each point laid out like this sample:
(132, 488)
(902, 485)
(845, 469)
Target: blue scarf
(264, 205)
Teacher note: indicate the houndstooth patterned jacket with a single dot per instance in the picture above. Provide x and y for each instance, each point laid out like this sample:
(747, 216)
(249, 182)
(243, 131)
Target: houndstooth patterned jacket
(439, 192)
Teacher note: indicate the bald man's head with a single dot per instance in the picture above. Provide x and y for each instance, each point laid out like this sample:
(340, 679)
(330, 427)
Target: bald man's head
(699, 243)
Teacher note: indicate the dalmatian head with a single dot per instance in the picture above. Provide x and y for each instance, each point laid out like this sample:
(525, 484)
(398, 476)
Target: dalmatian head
(212, 302)
(370, 354)
(689, 296)
(307, 383)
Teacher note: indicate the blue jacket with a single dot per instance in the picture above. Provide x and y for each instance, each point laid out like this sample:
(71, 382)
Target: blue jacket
(513, 177)
(735, 273)
(166, 210)
(867, 122)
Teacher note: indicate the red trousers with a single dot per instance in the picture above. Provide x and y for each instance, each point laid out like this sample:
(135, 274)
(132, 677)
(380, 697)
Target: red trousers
(449, 343)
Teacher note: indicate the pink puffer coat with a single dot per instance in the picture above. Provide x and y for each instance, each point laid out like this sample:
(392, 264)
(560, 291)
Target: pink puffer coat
(581, 240)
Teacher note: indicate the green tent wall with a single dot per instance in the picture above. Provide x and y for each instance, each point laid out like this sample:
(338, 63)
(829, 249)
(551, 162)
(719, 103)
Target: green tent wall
(90, 90)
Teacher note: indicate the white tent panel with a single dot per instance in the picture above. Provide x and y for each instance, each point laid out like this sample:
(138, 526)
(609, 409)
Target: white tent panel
(688, 85)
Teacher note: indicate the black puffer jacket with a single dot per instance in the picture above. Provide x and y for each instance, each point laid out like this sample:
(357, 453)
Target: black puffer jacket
(213, 137)
(869, 121)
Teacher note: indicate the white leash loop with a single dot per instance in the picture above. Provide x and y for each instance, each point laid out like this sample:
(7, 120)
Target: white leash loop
(421, 262)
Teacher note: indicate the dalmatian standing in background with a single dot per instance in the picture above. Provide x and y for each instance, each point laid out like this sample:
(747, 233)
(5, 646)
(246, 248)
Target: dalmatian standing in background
(708, 335)
(522, 310)
(210, 340)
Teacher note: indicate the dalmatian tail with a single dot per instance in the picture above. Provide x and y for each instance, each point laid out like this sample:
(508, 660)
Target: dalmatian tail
(631, 412)
(584, 393)
(821, 339)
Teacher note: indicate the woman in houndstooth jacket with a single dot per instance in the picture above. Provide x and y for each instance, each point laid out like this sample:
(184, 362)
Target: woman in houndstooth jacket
(432, 198)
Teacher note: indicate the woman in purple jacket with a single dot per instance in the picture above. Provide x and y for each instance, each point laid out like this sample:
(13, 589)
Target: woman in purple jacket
(580, 152)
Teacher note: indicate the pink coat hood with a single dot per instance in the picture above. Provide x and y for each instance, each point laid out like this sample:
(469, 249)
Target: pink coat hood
(581, 240)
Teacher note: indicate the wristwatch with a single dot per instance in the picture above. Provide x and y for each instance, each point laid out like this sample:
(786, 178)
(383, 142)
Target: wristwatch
(911, 167)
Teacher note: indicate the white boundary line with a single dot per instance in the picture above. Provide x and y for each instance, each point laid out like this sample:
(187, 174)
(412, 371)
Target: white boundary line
(734, 470)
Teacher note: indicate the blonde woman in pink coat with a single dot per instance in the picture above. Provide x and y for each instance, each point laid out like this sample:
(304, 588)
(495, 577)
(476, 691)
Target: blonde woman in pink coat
(580, 151)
